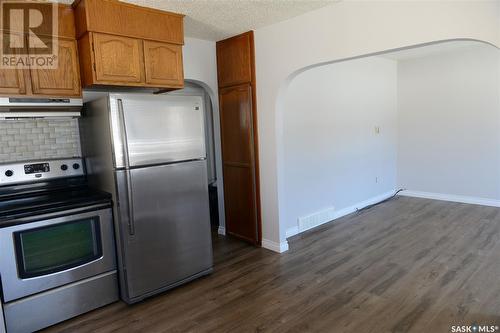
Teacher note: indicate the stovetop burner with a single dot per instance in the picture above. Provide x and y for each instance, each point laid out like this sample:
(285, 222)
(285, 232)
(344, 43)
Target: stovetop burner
(51, 192)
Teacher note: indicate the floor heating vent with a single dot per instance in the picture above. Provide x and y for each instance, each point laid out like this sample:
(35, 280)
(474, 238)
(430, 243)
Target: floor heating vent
(318, 218)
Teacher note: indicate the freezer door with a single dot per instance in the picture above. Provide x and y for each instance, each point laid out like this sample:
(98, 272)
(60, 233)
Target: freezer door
(150, 129)
(170, 240)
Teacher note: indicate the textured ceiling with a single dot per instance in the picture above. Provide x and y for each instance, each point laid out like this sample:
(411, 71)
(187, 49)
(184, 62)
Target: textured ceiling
(219, 19)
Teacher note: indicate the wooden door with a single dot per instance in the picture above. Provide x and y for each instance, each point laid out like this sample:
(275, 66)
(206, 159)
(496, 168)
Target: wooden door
(12, 81)
(238, 154)
(118, 59)
(63, 80)
(163, 64)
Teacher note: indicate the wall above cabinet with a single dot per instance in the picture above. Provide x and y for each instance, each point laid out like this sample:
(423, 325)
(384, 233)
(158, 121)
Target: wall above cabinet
(127, 45)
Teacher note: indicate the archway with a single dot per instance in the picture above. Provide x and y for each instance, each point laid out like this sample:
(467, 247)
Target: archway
(284, 204)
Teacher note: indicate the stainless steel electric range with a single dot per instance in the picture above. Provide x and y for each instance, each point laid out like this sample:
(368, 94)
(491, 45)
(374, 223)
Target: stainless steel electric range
(57, 250)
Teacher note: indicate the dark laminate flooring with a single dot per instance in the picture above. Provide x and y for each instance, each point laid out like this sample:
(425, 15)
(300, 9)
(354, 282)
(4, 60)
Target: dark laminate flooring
(408, 265)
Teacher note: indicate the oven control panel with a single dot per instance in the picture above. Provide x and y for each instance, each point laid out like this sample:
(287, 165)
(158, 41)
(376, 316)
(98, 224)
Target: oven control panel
(40, 170)
(36, 168)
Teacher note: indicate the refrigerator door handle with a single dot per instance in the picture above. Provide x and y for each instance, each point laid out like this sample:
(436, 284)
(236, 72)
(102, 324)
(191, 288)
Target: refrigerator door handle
(123, 132)
(130, 197)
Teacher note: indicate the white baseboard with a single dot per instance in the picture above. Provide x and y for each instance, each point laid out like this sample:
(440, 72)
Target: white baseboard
(267, 244)
(451, 197)
(221, 231)
(274, 246)
(344, 211)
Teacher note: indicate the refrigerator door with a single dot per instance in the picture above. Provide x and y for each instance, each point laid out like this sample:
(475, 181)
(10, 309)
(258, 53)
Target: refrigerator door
(151, 129)
(166, 229)
(2, 323)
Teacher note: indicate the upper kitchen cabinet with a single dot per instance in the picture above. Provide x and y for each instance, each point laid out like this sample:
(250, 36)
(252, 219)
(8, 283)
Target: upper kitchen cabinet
(63, 80)
(36, 82)
(117, 59)
(163, 63)
(235, 61)
(12, 81)
(119, 18)
(122, 44)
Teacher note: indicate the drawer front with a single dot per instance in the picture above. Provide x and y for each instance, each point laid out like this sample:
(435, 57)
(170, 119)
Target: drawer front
(34, 313)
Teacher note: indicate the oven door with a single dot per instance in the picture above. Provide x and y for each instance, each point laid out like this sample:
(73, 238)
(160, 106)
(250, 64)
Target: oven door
(53, 251)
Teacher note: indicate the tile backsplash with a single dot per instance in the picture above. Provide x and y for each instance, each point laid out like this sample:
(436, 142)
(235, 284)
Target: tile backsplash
(35, 139)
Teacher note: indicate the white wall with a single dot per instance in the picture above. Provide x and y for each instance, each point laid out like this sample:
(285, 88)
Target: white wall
(200, 66)
(200, 62)
(449, 121)
(332, 155)
(343, 30)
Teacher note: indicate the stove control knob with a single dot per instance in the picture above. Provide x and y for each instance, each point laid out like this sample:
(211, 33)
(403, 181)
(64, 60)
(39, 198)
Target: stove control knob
(76, 166)
(64, 167)
(9, 173)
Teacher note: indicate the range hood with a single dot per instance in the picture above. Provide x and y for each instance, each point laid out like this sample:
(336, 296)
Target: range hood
(14, 108)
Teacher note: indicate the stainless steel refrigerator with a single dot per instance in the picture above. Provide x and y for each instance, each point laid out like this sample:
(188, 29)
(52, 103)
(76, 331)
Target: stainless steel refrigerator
(149, 152)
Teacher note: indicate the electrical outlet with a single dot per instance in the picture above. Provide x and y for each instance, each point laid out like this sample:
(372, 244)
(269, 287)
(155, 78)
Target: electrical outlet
(377, 129)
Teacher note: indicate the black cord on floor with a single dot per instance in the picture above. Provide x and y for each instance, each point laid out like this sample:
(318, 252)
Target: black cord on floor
(358, 210)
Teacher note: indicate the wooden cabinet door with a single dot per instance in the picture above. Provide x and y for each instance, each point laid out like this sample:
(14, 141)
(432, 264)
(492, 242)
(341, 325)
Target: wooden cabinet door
(238, 156)
(163, 64)
(63, 80)
(118, 59)
(12, 81)
(235, 60)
